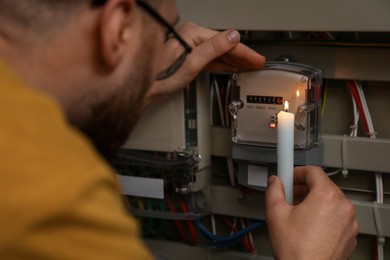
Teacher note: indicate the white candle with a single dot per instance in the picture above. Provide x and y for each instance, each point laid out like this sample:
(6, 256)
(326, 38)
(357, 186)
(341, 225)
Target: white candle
(286, 151)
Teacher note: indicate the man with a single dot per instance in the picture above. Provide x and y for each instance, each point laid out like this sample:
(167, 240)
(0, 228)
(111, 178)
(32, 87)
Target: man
(75, 76)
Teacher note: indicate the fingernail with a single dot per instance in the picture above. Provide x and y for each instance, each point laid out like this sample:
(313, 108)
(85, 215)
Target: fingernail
(271, 180)
(233, 36)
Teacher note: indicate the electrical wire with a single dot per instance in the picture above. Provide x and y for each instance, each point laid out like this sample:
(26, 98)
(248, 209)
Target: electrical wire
(330, 36)
(211, 104)
(235, 230)
(163, 222)
(249, 237)
(370, 131)
(190, 225)
(356, 116)
(224, 242)
(354, 127)
(179, 227)
(219, 101)
(213, 226)
(333, 173)
(324, 99)
(227, 101)
(232, 178)
(352, 88)
(150, 221)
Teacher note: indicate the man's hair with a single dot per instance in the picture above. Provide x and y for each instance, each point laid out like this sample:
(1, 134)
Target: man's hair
(41, 15)
(44, 15)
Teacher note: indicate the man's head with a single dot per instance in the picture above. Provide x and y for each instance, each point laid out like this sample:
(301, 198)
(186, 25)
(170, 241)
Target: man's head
(97, 58)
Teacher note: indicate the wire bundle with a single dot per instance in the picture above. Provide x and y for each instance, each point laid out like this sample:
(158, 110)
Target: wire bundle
(221, 93)
(361, 102)
(224, 242)
(191, 228)
(149, 223)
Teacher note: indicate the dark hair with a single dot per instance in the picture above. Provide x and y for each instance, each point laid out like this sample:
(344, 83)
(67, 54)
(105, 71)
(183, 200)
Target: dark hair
(39, 15)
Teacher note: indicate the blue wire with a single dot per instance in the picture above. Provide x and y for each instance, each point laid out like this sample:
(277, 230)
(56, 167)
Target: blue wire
(226, 241)
(223, 242)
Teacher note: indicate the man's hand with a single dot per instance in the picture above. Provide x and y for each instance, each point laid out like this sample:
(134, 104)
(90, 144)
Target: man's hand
(322, 226)
(212, 51)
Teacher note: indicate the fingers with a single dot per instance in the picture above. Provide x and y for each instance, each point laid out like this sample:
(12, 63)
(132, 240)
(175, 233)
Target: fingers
(214, 47)
(275, 198)
(305, 179)
(275, 191)
(351, 246)
(247, 58)
(324, 206)
(210, 45)
(312, 176)
(300, 190)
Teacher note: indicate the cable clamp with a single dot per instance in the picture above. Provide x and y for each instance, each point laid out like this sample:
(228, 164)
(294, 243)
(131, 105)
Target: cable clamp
(344, 167)
(378, 224)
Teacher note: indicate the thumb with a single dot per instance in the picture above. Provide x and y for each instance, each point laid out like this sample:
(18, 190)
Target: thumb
(275, 195)
(214, 47)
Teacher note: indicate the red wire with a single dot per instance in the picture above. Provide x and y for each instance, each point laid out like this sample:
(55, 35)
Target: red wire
(189, 223)
(230, 224)
(356, 96)
(248, 236)
(234, 229)
(376, 256)
(177, 222)
(352, 87)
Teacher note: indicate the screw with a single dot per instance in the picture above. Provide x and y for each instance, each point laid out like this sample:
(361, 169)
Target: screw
(242, 198)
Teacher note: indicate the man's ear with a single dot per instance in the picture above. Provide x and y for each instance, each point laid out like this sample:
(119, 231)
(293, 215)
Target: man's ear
(117, 18)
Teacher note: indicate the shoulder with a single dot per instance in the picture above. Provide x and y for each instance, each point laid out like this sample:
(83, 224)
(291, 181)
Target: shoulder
(52, 178)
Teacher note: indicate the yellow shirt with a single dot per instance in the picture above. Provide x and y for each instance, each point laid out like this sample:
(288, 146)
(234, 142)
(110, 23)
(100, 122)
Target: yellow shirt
(58, 199)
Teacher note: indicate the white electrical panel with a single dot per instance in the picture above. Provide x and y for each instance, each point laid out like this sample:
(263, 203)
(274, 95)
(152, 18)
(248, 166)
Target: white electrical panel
(168, 153)
(161, 127)
(178, 124)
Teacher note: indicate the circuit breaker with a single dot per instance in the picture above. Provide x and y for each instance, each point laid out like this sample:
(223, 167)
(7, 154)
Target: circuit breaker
(166, 158)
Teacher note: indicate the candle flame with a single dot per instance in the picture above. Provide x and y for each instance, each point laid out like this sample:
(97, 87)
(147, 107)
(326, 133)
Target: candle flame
(298, 93)
(286, 105)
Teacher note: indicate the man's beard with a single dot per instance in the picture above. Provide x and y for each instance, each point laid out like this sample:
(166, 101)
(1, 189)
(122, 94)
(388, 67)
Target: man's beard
(110, 122)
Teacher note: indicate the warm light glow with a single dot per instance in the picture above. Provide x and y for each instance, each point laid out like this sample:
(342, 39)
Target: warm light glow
(286, 105)
(298, 93)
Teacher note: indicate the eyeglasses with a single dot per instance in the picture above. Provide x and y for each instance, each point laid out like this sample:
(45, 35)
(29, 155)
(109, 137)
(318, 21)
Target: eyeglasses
(170, 31)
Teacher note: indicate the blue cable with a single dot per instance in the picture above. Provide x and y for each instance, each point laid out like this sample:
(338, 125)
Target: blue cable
(223, 242)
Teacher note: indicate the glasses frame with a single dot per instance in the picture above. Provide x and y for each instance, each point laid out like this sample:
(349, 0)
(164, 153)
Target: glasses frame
(171, 31)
